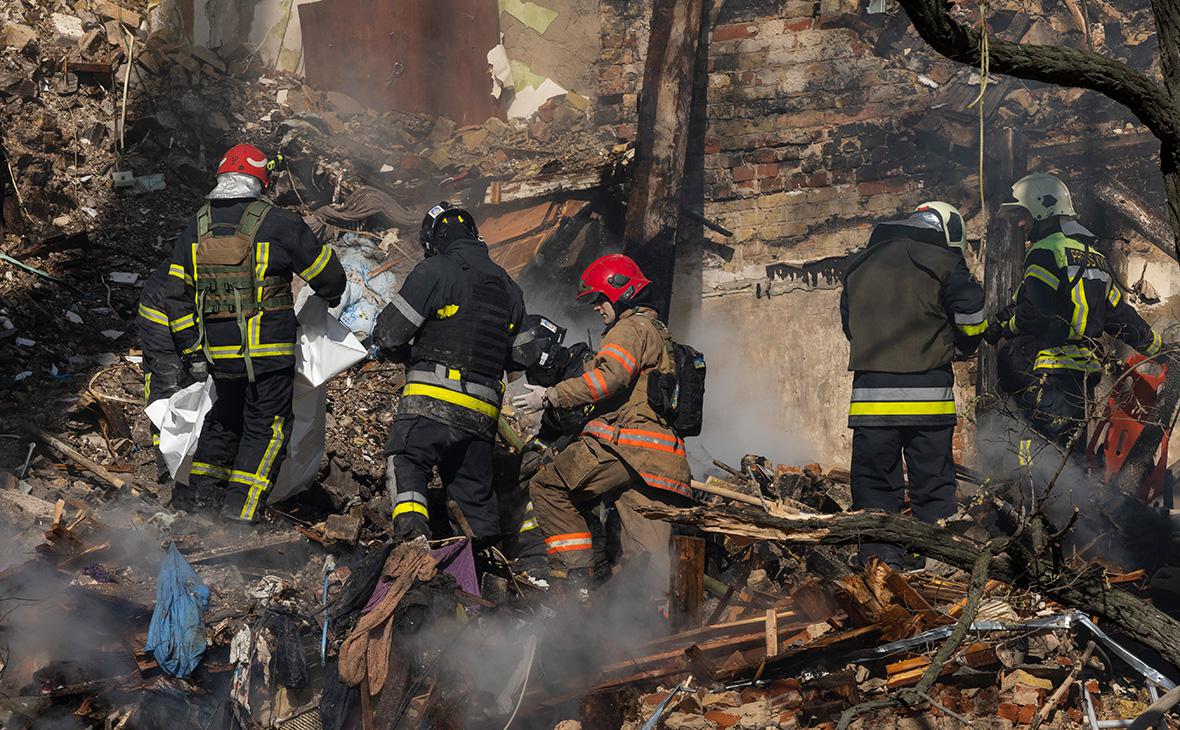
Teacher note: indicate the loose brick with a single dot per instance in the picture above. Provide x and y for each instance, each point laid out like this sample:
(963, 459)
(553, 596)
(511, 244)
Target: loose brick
(734, 32)
(1008, 711)
(877, 187)
(723, 720)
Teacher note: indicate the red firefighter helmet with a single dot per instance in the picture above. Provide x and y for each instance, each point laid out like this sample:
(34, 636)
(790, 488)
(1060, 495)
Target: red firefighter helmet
(246, 159)
(614, 276)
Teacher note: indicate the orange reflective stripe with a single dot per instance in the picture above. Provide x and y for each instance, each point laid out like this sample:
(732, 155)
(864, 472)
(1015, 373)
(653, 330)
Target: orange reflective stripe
(596, 383)
(569, 541)
(626, 359)
(672, 485)
(650, 440)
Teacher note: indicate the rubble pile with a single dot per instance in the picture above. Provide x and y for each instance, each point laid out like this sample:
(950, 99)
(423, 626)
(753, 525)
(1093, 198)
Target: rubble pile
(100, 152)
(116, 612)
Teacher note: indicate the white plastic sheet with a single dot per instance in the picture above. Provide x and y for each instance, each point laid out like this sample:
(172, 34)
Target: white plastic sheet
(179, 420)
(325, 349)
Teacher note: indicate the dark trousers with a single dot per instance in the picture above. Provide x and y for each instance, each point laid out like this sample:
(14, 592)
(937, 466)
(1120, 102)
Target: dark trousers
(523, 541)
(417, 445)
(243, 442)
(877, 481)
(1056, 405)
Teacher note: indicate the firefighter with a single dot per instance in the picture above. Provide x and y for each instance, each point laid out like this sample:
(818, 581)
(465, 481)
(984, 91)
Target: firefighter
(1066, 300)
(236, 260)
(163, 337)
(539, 349)
(453, 324)
(626, 451)
(908, 304)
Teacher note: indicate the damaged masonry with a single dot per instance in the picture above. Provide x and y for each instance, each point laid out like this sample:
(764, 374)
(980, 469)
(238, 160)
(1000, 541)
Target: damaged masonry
(756, 160)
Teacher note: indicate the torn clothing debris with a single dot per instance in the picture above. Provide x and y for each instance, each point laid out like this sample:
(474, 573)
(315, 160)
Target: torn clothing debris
(365, 653)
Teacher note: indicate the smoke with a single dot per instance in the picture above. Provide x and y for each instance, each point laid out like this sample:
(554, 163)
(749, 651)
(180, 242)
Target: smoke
(745, 412)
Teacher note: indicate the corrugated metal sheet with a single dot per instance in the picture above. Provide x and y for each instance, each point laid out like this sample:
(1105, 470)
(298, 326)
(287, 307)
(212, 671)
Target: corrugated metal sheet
(515, 238)
(419, 56)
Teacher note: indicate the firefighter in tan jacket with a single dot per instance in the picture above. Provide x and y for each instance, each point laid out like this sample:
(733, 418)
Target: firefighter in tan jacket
(627, 452)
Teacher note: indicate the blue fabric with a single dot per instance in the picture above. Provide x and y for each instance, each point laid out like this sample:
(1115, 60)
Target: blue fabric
(176, 636)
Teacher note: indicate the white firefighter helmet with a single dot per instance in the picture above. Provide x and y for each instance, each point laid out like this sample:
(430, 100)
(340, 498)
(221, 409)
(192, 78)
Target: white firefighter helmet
(1042, 195)
(952, 222)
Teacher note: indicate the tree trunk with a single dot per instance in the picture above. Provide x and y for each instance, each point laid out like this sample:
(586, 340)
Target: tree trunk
(1152, 102)
(1088, 592)
(665, 103)
(1003, 258)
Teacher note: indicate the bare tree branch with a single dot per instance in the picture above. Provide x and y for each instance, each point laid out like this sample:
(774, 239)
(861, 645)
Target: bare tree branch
(1147, 99)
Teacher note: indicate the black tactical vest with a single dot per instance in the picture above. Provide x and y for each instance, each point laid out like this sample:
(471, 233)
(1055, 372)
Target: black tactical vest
(473, 335)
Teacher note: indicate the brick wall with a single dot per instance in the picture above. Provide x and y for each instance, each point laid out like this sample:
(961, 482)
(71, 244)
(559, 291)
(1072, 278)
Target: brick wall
(814, 134)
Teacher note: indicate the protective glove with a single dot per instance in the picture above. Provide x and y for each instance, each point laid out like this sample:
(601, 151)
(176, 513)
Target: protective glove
(994, 332)
(536, 399)
(333, 303)
(198, 370)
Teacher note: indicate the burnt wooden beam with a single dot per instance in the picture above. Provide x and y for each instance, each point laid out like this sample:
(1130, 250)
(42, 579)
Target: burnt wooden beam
(1089, 592)
(665, 104)
(1120, 202)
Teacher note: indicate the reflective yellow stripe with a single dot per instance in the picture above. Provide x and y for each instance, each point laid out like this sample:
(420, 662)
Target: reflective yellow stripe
(1042, 274)
(450, 396)
(153, 315)
(180, 325)
(1081, 310)
(902, 408)
(147, 387)
(402, 508)
(973, 329)
(178, 271)
(201, 468)
(1114, 296)
(529, 524)
(155, 439)
(448, 311)
(261, 478)
(1025, 455)
(318, 265)
(1154, 347)
(261, 260)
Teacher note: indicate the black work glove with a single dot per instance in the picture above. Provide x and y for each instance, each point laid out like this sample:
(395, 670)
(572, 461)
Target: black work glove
(333, 303)
(994, 333)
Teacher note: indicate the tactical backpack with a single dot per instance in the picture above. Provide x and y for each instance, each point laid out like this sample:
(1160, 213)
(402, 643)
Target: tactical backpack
(227, 277)
(679, 397)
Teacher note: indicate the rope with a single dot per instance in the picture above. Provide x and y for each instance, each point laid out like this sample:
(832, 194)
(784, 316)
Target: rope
(984, 68)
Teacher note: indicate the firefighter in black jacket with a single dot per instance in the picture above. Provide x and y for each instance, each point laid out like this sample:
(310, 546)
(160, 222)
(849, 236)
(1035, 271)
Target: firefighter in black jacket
(162, 334)
(1066, 300)
(908, 303)
(453, 324)
(539, 349)
(236, 260)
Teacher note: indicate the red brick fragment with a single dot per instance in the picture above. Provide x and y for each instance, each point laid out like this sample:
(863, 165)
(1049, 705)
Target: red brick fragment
(734, 32)
(723, 719)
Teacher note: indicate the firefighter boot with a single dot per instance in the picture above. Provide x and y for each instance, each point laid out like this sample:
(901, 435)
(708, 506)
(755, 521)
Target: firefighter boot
(410, 525)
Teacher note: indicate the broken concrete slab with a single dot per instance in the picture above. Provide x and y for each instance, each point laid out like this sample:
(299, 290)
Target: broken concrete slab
(16, 36)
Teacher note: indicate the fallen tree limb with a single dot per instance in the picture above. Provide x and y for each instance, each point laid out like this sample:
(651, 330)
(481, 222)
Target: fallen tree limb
(1015, 565)
(69, 452)
(1153, 714)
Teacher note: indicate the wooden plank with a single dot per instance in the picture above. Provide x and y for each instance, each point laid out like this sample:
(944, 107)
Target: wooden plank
(69, 452)
(686, 591)
(771, 634)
